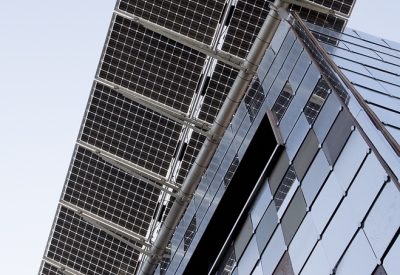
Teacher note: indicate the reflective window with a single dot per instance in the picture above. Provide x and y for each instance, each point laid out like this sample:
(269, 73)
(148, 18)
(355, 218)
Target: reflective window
(337, 137)
(299, 70)
(297, 136)
(383, 220)
(315, 177)
(306, 154)
(260, 204)
(267, 226)
(380, 270)
(316, 100)
(350, 159)
(284, 266)
(339, 232)
(273, 252)
(326, 117)
(378, 98)
(284, 187)
(359, 258)
(283, 101)
(258, 270)
(303, 242)
(386, 116)
(278, 172)
(326, 202)
(366, 186)
(317, 263)
(249, 258)
(293, 216)
(391, 261)
(243, 237)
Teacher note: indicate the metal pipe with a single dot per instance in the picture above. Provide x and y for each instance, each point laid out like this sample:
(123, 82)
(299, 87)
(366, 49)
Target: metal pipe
(210, 145)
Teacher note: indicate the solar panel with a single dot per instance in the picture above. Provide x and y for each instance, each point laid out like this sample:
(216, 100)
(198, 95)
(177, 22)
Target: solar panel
(81, 246)
(151, 64)
(129, 130)
(110, 193)
(47, 269)
(195, 19)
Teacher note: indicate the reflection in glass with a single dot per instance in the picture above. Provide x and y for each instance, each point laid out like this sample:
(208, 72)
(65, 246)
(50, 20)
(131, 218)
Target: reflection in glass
(316, 100)
(359, 258)
(383, 220)
(283, 101)
(284, 187)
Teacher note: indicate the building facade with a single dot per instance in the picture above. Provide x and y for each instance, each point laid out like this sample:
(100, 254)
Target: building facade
(305, 176)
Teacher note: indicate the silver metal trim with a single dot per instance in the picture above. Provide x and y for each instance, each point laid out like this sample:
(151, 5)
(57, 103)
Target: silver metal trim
(61, 268)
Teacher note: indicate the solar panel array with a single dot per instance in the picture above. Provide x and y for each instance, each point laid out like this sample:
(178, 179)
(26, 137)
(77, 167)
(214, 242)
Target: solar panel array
(168, 75)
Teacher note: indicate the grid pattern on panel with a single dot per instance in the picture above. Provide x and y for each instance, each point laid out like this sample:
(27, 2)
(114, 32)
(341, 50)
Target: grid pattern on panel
(229, 264)
(231, 171)
(192, 150)
(316, 101)
(326, 39)
(320, 19)
(218, 88)
(254, 98)
(246, 21)
(129, 130)
(343, 6)
(164, 263)
(283, 101)
(284, 187)
(110, 193)
(325, 67)
(47, 269)
(150, 64)
(88, 250)
(195, 19)
(189, 233)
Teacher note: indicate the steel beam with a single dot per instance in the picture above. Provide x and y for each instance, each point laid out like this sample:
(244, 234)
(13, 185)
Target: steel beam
(61, 268)
(317, 7)
(220, 55)
(135, 170)
(197, 125)
(209, 147)
(106, 225)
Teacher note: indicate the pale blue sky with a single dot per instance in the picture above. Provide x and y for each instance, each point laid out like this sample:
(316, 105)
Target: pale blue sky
(49, 53)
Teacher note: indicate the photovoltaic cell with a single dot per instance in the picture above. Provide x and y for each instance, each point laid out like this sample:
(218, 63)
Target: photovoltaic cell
(192, 150)
(151, 64)
(220, 84)
(129, 130)
(47, 269)
(86, 249)
(110, 193)
(195, 19)
(247, 19)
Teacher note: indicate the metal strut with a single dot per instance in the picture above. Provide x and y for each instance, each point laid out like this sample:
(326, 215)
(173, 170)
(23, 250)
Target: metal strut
(209, 147)
(220, 55)
(138, 172)
(197, 125)
(61, 268)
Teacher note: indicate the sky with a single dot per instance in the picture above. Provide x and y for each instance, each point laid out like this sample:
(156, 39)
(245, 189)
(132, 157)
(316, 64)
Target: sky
(49, 52)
